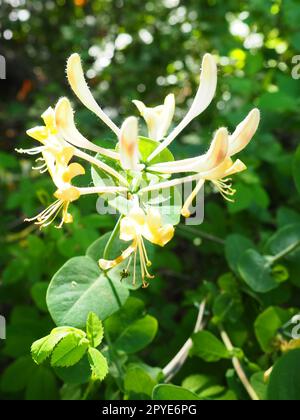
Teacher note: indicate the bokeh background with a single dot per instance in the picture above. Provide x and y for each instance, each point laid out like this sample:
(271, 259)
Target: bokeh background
(145, 50)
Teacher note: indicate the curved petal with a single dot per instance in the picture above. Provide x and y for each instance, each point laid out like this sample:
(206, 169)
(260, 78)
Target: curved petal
(158, 119)
(108, 264)
(167, 115)
(78, 84)
(49, 119)
(74, 169)
(216, 154)
(129, 152)
(204, 96)
(39, 133)
(244, 132)
(64, 117)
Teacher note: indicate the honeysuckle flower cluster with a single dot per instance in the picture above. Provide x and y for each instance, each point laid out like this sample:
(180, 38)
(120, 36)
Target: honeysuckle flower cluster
(127, 164)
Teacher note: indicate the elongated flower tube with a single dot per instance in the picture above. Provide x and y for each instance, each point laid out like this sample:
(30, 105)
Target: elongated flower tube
(238, 141)
(134, 227)
(158, 119)
(204, 96)
(64, 118)
(128, 141)
(217, 152)
(78, 84)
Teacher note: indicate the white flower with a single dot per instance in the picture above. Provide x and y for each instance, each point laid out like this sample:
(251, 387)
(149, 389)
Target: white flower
(158, 119)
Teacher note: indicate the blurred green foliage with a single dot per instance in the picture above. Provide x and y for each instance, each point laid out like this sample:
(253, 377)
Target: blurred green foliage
(144, 50)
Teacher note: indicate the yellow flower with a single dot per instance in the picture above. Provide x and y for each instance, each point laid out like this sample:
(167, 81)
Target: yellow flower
(47, 136)
(216, 165)
(62, 174)
(64, 117)
(134, 227)
(158, 119)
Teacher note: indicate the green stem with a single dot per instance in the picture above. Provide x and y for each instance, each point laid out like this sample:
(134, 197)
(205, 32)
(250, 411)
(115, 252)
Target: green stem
(112, 238)
(106, 255)
(238, 367)
(284, 253)
(88, 390)
(114, 358)
(204, 235)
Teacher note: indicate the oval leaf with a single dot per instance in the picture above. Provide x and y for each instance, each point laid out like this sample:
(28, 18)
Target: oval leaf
(80, 287)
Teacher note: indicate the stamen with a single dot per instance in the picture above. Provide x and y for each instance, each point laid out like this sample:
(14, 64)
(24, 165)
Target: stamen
(33, 151)
(45, 211)
(224, 187)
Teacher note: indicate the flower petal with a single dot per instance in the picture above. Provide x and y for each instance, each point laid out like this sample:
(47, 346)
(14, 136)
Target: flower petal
(215, 156)
(64, 116)
(39, 133)
(74, 169)
(128, 141)
(204, 96)
(78, 84)
(167, 115)
(108, 264)
(244, 132)
(158, 119)
(49, 119)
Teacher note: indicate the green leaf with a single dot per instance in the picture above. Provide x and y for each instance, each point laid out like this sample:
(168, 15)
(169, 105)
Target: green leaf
(287, 238)
(42, 385)
(198, 383)
(16, 376)
(172, 392)
(267, 325)
(80, 287)
(227, 307)
(147, 146)
(284, 382)
(38, 294)
(256, 272)
(77, 374)
(69, 351)
(235, 246)
(242, 199)
(41, 349)
(141, 379)
(94, 330)
(96, 249)
(296, 169)
(98, 364)
(208, 347)
(278, 102)
(259, 384)
(137, 335)
(70, 392)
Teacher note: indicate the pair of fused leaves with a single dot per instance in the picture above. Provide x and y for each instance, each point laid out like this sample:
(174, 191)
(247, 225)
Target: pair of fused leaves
(66, 346)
